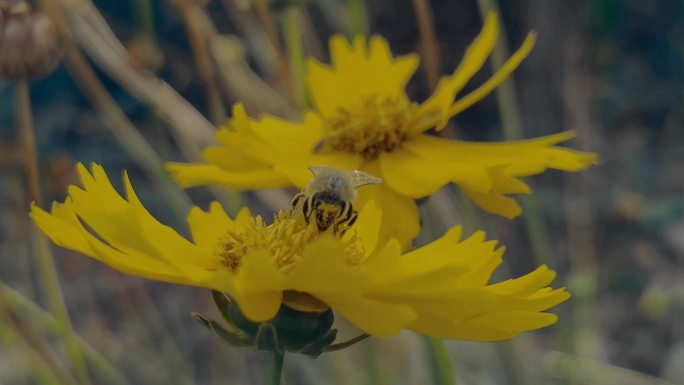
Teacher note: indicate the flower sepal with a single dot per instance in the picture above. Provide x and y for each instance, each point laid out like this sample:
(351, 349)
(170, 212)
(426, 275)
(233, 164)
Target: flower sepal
(295, 331)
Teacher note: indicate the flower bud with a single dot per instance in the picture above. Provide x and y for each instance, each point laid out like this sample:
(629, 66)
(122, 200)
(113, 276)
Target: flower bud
(29, 45)
(291, 330)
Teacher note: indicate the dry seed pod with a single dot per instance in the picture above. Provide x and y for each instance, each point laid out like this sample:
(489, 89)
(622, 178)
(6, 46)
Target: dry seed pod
(29, 46)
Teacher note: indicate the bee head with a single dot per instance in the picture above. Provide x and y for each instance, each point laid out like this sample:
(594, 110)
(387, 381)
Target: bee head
(327, 208)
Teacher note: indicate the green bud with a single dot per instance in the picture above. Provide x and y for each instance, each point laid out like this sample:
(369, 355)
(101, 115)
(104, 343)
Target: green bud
(293, 329)
(296, 331)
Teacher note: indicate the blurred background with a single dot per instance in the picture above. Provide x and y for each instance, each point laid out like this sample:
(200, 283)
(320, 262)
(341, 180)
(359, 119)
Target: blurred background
(140, 82)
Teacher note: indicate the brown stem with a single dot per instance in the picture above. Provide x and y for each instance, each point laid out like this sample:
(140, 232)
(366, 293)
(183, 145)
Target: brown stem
(46, 263)
(28, 139)
(34, 342)
(117, 121)
(187, 11)
(263, 12)
(428, 42)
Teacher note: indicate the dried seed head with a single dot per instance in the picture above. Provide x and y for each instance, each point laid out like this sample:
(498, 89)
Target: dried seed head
(29, 46)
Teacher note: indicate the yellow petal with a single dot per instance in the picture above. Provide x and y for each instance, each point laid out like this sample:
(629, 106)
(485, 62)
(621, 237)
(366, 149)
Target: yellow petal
(400, 215)
(443, 268)
(496, 204)
(488, 326)
(526, 285)
(168, 243)
(324, 272)
(58, 230)
(493, 168)
(258, 287)
(208, 227)
(445, 283)
(442, 99)
(468, 170)
(358, 71)
(542, 299)
(413, 176)
(129, 228)
(499, 76)
(296, 150)
(478, 315)
(198, 174)
(377, 318)
(139, 264)
(259, 306)
(239, 149)
(513, 321)
(366, 226)
(263, 153)
(521, 157)
(63, 228)
(323, 268)
(243, 219)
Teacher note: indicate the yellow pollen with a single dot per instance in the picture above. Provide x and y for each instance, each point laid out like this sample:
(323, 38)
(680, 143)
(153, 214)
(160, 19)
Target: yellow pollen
(284, 240)
(379, 125)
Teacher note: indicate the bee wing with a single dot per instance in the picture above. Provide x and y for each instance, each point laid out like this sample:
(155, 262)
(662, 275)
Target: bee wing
(360, 178)
(319, 146)
(316, 170)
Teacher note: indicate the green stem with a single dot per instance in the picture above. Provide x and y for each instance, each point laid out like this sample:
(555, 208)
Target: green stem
(143, 13)
(513, 130)
(47, 323)
(356, 13)
(295, 52)
(428, 41)
(275, 368)
(505, 92)
(46, 264)
(442, 370)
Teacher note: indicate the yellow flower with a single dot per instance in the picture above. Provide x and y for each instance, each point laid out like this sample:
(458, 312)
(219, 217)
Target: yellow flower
(440, 289)
(364, 120)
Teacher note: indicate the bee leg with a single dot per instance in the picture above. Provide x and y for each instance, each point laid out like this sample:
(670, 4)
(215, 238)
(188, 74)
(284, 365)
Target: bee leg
(348, 217)
(352, 220)
(297, 198)
(295, 203)
(307, 208)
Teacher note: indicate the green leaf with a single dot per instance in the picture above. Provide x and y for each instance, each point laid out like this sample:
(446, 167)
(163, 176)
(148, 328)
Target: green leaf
(346, 344)
(223, 304)
(219, 331)
(319, 346)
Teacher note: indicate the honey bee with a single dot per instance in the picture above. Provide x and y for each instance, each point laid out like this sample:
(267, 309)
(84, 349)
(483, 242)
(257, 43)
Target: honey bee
(329, 196)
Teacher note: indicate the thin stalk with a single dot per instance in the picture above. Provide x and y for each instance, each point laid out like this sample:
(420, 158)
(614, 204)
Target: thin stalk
(357, 16)
(513, 129)
(143, 13)
(274, 369)
(46, 322)
(505, 92)
(200, 48)
(428, 41)
(44, 366)
(46, 264)
(371, 365)
(117, 121)
(295, 52)
(442, 370)
(265, 17)
(511, 121)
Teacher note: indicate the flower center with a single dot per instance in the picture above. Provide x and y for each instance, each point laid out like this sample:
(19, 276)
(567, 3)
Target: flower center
(284, 240)
(378, 125)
